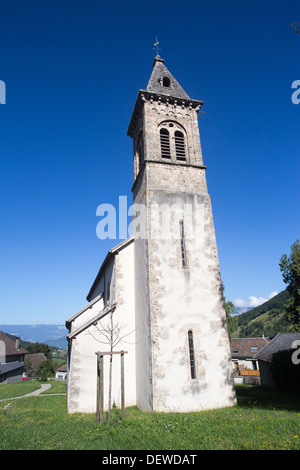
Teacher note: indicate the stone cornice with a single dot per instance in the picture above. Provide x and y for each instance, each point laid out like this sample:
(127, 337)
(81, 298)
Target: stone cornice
(144, 96)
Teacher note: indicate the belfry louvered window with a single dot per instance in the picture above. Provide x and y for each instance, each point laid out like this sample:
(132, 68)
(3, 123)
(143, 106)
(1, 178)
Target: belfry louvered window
(165, 143)
(179, 145)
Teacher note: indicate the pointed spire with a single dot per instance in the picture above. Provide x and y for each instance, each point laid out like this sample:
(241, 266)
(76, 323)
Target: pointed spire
(163, 82)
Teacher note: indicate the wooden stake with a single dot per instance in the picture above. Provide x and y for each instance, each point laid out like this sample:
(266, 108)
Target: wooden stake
(122, 385)
(101, 391)
(100, 386)
(100, 397)
(98, 391)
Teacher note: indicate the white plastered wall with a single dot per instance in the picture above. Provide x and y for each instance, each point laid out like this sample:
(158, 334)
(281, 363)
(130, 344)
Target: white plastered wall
(82, 380)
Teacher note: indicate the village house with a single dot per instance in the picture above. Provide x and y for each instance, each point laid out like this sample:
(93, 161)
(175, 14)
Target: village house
(245, 366)
(243, 351)
(11, 359)
(32, 361)
(61, 372)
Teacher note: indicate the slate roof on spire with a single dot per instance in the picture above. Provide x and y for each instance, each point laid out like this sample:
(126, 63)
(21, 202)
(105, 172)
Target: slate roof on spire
(162, 81)
(165, 87)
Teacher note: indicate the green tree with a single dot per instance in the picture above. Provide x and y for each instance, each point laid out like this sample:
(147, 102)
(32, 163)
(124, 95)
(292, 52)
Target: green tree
(290, 269)
(232, 322)
(34, 348)
(44, 370)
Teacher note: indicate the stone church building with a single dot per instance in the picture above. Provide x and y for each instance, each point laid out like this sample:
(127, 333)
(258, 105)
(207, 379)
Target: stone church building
(158, 294)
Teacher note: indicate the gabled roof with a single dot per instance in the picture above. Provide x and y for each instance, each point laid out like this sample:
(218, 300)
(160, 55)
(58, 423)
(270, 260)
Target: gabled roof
(35, 359)
(83, 309)
(10, 346)
(10, 366)
(110, 255)
(92, 320)
(281, 342)
(62, 368)
(246, 348)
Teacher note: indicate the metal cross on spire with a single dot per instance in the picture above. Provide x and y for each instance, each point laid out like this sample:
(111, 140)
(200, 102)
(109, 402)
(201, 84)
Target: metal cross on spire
(156, 46)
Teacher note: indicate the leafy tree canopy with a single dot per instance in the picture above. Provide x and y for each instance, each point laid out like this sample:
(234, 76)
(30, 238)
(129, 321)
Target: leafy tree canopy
(290, 269)
(45, 370)
(34, 348)
(229, 309)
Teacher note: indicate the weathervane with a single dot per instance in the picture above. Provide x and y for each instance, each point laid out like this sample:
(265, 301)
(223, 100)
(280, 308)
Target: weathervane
(156, 46)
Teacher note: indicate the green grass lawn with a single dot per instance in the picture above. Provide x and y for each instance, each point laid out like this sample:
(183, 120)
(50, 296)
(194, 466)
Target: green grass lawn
(28, 386)
(18, 389)
(263, 419)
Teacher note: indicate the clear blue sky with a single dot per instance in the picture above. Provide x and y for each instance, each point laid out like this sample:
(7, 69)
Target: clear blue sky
(72, 71)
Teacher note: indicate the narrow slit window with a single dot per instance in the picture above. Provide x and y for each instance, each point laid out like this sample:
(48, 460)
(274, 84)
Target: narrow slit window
(108, 294)
(182, 244)
(179, 145)
(165, 143)
(140, 149)
(192, 354)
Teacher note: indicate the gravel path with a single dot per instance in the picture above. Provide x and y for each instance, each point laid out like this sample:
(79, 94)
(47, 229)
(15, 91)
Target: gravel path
(43, 388)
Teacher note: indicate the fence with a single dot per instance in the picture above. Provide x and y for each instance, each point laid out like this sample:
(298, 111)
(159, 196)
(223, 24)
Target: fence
(249, 373)
(250, 377)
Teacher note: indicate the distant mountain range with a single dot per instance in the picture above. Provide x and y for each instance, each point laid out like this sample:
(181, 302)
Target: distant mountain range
(240, 310)
(53, 335)
(266, 319)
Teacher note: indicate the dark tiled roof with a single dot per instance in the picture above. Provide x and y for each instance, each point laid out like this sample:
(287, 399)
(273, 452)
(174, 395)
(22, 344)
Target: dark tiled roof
(35, 359)
(9, 366)
(281, 342)
(63, 368)
(242, 348)
(10, 345)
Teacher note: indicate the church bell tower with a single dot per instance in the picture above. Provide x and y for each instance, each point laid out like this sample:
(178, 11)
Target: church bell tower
(182, 346)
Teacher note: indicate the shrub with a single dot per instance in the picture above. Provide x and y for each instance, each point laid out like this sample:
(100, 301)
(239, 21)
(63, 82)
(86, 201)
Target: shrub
(44, 370)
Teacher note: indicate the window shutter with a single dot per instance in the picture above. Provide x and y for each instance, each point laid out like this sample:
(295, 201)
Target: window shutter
(179, 145)
(165, 143)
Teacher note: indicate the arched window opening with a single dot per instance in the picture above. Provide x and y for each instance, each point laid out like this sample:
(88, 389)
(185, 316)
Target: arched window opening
(179, 145)
(192, 354)
(165, 143)
(166, 82)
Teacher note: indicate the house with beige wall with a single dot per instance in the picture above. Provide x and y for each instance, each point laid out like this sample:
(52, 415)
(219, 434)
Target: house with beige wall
(243, 351)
